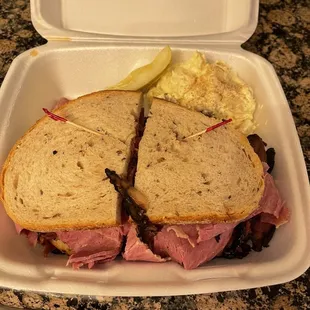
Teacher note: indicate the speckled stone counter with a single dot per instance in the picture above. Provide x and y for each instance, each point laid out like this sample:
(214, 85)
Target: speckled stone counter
(282, 37)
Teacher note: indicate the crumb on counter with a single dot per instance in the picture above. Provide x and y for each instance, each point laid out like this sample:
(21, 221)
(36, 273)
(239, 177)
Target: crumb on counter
(34, 53)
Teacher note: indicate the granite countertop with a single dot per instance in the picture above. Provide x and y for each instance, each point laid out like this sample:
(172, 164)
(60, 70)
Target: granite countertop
(282, 38)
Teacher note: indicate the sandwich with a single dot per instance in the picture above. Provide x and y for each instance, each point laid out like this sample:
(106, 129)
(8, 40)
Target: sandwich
(140, 190)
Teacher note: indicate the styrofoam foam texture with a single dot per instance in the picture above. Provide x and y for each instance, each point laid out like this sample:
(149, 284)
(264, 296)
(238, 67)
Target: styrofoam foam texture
(73, 69)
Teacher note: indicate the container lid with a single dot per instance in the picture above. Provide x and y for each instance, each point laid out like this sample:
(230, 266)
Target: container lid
(160, 21)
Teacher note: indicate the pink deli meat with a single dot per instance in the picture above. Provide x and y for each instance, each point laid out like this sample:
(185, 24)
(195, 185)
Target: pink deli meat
(31, 235)
(90, 246)
(271, 205)
(136, 250)
(208, 231)
(18, 228)
(168, 244)
(282, 218)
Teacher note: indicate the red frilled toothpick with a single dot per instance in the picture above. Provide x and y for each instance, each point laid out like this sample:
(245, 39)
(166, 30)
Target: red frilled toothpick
(64, 120)
(209, 129)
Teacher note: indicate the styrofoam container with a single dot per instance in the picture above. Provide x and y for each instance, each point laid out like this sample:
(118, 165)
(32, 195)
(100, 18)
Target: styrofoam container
(93, 44)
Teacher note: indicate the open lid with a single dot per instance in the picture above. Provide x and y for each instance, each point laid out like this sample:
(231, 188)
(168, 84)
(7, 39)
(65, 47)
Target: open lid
(160, 21)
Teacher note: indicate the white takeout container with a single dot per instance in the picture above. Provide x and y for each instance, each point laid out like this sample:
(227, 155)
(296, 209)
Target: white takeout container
(94, 44)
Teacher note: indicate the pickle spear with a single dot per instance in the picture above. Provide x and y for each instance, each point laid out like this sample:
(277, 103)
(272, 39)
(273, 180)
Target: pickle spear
(143, 76)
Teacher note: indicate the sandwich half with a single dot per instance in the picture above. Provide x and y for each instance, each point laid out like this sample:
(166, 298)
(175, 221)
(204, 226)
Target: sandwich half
(53, 178)
(212, 178)
(204, 197)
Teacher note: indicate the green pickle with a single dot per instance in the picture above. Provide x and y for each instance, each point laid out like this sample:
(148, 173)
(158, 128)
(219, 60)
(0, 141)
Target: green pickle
(143, 76)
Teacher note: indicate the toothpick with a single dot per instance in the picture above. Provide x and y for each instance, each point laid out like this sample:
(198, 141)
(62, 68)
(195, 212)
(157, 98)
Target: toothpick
(64, 120)
(209, 129)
